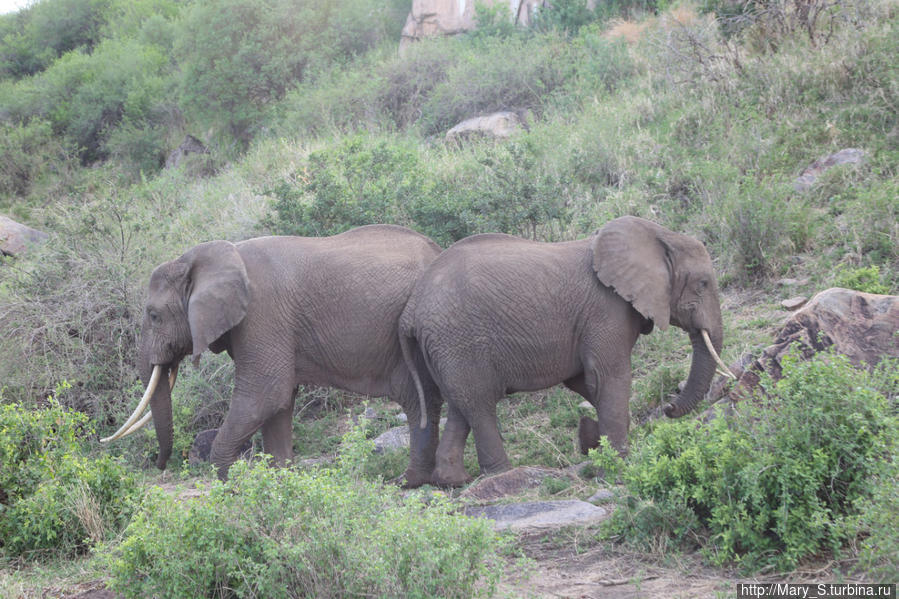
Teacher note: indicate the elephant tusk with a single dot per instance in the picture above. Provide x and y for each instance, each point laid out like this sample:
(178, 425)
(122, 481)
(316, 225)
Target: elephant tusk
(173, 376)
(151, 388)
(724, 369)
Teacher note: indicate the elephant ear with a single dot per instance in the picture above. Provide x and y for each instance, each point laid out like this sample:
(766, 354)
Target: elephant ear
(631, 256)
(219, 292)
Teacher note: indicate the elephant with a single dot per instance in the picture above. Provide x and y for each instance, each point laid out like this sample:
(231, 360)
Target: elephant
(496, 314)
(289, 311)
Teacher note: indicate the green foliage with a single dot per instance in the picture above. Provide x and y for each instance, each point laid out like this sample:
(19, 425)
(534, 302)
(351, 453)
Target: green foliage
(238, 57)
(357, 183)
(48, 29)
(27, 154)
(281, 533)
(486, 81)
(54, 499)
(867, 280)
(778, 481)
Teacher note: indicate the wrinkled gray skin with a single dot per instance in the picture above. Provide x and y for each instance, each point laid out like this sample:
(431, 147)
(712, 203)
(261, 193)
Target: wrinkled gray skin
(290, 311)
(496, 314)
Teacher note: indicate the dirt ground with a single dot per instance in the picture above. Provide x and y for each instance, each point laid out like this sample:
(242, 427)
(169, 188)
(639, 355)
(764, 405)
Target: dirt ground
(559, 568)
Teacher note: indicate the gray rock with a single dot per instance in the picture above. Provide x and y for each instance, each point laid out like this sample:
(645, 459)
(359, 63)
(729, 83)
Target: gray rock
(794, 303)
(860, 325)
(603, 495)
(430, 18)
(512, 482)
(16, 237)
(539, 515)
(370, 413)
(395, 438)
(499, 125)
(190, 145)
(810, 175)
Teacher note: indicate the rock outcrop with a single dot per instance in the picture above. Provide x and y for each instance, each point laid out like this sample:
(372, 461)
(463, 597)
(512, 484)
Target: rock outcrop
(449, 17)
(863, 326)
(16, 237)
(539, 515)
(190, 145)
(810, 175)
(499, 125)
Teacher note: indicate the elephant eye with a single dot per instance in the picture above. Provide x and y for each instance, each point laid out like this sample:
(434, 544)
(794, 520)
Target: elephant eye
(154, 316)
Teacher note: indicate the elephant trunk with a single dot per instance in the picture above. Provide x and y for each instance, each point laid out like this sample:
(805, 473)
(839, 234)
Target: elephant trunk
(161, 408)
(702, 371)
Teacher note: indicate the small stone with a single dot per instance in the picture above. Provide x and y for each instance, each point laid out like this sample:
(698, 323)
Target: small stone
(370, 413)
(794, 303)
(402, 417)
(602, 496)
(788, 282)
(586, 405)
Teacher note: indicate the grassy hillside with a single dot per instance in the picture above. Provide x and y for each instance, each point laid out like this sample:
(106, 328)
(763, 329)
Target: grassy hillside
(697, 116)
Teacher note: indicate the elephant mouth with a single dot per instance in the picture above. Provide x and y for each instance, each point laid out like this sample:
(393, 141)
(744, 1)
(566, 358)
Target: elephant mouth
(135, 421)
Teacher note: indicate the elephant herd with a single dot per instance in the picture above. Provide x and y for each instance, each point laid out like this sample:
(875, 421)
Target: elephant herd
(380, 310)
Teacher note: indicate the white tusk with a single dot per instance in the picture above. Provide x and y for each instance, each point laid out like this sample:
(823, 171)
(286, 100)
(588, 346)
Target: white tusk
(151, 387)
(718, 360)
(173, 376)
(137, 425)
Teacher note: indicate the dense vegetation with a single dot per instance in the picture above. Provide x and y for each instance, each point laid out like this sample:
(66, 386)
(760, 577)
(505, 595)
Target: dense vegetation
(775, 481)
(698, 116)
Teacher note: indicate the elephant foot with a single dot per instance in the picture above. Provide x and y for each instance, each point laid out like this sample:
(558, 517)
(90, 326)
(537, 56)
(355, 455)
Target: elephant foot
(450, 477)
(412, 479)
(587, 434)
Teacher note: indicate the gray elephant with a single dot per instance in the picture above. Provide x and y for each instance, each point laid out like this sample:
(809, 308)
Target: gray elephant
(289, 311)
(496, 314)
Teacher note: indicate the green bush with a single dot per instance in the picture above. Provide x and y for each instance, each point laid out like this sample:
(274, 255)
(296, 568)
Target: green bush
(281, 533)
(862, 279)
(359, 182)
(54, 499)
(781, 479)
(239, 57)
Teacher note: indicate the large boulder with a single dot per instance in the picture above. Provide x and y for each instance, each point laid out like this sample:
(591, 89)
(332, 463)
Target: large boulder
(449, 17)
(863, 326)
(190, 145)
(512, 482)
(534, 516)
(16, 237)
(499, 125)
(807, 179)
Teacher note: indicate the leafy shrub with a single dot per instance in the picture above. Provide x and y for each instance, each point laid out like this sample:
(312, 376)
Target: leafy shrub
(357, 183)
(238, 57)
(48, 29)
(27, 154)
(281, 533)
(484, 80)
(55, 500)
(780, 480)
(862, 279)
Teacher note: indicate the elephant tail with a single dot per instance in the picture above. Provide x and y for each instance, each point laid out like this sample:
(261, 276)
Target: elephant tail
(409, 346)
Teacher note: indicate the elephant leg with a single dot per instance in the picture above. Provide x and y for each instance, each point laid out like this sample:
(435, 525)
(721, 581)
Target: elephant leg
(277, 435)
(450, 469)
(609, 392)
(488, 441)
(251, 407)
(613, 409)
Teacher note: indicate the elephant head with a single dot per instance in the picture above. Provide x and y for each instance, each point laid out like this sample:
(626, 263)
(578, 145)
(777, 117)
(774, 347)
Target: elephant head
(668, 278)
(191, 302)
